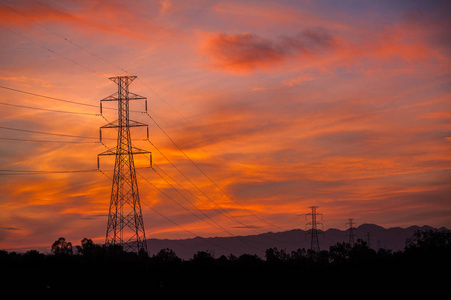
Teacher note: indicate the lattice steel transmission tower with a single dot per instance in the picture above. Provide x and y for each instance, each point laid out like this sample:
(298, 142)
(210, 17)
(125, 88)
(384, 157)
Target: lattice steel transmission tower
(314, 246)
(125, 225)
(351, 232)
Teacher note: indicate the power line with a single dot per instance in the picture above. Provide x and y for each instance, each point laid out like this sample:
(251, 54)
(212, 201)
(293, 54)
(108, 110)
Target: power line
(39, 172)
(61, 100)
(33, 172)
(146, 112)
(197, 216)
(93, 54)
(176, 202)
(63, 37)
(46, 141)
(218, 226)
(186, 199)
(183, 228)
(203, 213)
(161, 98)
(167, 218)
(49, 110)
(222, 212)
(56, 53)
(50, 133)
(43, 172)
(48, 97)
(206, 176)
(55, 134)
(192, 183)
(215, 224)
(66, 135)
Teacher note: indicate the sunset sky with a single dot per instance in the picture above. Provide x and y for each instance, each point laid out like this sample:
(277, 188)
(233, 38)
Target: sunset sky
(280, 105)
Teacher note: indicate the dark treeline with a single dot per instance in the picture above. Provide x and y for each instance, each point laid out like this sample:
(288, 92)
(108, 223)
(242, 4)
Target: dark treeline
(89, 269)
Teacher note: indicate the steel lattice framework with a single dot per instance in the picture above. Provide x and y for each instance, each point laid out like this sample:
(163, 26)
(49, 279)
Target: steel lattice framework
(314, 246)
(351, 232)
(125, 225)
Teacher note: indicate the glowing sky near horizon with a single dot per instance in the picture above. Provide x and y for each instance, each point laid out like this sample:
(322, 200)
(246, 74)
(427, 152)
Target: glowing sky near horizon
(283, 104)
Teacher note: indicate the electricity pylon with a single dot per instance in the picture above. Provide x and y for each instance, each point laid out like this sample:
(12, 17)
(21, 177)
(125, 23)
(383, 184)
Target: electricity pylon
(351, 232)
(314, 246)
(125, 225)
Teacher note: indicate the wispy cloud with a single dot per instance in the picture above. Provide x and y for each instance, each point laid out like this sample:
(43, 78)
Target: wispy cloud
(9, 228)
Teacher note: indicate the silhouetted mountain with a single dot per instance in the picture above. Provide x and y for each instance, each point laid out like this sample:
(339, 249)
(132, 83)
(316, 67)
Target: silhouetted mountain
(391, 239)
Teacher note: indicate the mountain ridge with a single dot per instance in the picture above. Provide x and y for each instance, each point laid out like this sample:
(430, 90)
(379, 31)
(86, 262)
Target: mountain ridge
(393, 238)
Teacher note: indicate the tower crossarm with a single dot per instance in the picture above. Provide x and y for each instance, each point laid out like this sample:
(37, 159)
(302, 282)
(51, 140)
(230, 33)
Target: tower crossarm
(115, 124)
(113, 151)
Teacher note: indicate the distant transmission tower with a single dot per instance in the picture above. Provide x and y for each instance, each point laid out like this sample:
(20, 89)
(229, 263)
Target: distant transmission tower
(368, 239)
(351, 232)
(125, 225)
(314, 246)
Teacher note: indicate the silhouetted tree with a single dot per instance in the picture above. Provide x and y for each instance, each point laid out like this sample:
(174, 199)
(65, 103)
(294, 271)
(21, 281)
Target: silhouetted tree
(429, 240)
(203, 258)
(142, 254)
(166, 256)
(86, 247)
(90, 250)
(340, 252)
(275, 256)
(362, 253)
(3, 254)
(32, 253)
(114, 250)
(232, 257)
(33, 256)
(61, 247)
(298, 255)
(429, 249)
(223, 261)
(249, 261)
(321, 257)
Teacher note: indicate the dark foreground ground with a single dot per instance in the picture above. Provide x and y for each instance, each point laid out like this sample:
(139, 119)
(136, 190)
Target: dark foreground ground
(421, 270)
